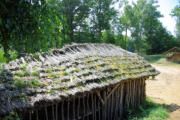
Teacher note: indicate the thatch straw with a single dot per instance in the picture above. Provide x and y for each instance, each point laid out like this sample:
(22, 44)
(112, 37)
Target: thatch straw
(100, 79)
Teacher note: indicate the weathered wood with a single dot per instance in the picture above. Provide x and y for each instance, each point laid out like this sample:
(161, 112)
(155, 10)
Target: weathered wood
(30, 116)
(78, 108)
(104, 104)
(84, 108)
(99, 96)
(109, 109)
(68, 109)
(92, 101)
(112, 91)
(99, 110)
(88, 109)
(95, 106)
(62, 110)
(57, 111)
(46, 113)
(74, 110)
(37, 116)
(116, 105)
(53, 114)
(103, 107)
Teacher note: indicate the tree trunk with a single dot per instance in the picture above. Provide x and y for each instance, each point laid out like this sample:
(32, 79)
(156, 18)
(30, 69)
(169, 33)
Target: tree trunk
(125, 40)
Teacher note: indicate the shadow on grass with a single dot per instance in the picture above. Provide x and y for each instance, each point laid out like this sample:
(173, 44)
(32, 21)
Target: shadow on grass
(171, 108)
(151, 111)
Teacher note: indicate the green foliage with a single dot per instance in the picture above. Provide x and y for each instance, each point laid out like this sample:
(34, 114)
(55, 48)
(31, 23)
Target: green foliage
(154, 58)
(52, 75)
(20, 83)
(65, 74)
(148, 111)
(2, 58)
(49, 70)
(159, 59)
(35, 83)
(176, 13)
(38, 26)
(13, 56)
(13, 116)
(108, 37)
(22, 74)
(24, 66)
(35, 73)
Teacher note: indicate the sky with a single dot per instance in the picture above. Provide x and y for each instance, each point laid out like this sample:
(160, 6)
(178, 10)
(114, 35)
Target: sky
(165, 7)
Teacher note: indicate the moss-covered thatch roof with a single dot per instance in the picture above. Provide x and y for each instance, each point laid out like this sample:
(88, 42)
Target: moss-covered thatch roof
(36, 80)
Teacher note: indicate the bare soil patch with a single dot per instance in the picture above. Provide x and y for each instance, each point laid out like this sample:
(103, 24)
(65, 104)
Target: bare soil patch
(165, 89)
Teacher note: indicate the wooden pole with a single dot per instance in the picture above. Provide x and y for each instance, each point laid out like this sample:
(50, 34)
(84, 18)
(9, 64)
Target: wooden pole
(57, 111)
(62, 110)
(46, 113)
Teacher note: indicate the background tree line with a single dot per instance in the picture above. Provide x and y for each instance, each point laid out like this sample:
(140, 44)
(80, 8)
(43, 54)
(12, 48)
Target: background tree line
(28, 26)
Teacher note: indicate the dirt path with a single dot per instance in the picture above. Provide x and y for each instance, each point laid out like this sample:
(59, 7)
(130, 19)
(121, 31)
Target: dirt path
(165, 89)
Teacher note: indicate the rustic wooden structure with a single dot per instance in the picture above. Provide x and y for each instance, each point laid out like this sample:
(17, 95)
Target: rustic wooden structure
(175, 57)
(77, 82)
(172, 51)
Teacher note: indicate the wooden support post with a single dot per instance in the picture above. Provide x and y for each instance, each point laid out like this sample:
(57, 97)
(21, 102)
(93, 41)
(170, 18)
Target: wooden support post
(74, 110)
(88, 109)
(95, 106)
(30, 117)
(122, 100)
(62, 110)
(116, 104)
(78, 108)
(53, 114)
(57, 111)
(99, 96)
(119, 101)
(105, 105)
(99, 110)
(92, 99)
(112, 91)
(46, 113)
(68, 109)
(112, 106)
(109, 108)
(37, 116)
(84, 108)
(104, 108)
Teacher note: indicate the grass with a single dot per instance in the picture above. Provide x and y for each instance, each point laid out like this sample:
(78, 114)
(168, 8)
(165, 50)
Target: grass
(154, 58)
(159, 59)
(35, 73)
(149, 111)
(20, 83)
(21, 74)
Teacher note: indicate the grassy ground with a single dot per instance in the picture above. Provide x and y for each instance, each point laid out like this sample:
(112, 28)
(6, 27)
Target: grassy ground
(148, 111)
(159, 59)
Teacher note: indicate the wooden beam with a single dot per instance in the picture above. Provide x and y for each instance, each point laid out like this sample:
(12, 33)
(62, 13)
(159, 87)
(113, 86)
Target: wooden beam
(99, 96)
(112, 91)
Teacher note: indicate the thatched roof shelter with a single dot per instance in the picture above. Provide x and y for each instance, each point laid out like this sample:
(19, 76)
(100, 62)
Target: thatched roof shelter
(79, 81)
(175, 57)
(172, 50)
